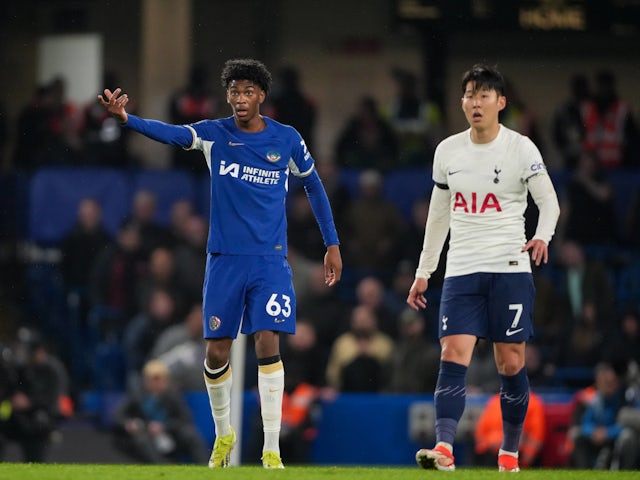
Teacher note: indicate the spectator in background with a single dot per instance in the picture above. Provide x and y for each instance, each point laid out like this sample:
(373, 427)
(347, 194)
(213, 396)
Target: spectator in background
(588, 214)
(304, 386)
(290, 105)
(153, 424)
(417, 123)
(517, 116)
(307, 359)
(33, 133)
(367, 140)
(338, 193)
(549, 320)
(64, 124)
(414, 362)
(162, 273)
(567, 128)
(36, 395)
(632, 221)
(191, 104)
(623, 345)
(116, 272)
(372, 226)
(302, 226)
(190, 257)
(396, 293)
(602, 441)
(411, 239)
(143, 214)
(539, 369)
(358, 357)
(371, 292)
(611, 131)
(180, 213)
(584, 300)
(80, 246)
(488, 433)
(582, 280)
(180, 348)
(143, 330)
(323, 307)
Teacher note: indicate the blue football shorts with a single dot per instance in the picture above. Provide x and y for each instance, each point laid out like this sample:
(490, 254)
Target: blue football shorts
(496, 306)
(255, 291)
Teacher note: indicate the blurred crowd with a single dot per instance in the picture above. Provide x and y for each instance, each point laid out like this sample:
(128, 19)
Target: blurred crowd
(134, 297)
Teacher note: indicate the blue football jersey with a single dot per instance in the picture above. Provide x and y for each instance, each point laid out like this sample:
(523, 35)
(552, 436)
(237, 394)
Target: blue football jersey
(249, 182)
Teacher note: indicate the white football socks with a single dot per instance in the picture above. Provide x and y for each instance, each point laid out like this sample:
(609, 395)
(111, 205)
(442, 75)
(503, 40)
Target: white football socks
(271, 389)
(219, 390)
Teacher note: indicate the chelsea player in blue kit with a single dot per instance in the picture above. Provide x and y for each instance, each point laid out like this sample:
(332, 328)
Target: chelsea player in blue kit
(248, 281)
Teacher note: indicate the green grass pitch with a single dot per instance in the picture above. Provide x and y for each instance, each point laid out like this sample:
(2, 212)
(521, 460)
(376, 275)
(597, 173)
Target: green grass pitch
(23, 471)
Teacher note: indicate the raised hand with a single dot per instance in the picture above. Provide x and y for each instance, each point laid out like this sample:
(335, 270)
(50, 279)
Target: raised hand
(115, 104)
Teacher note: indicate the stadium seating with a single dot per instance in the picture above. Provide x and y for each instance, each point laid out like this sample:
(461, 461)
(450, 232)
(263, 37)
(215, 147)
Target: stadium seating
(54, 195)
(168, 186)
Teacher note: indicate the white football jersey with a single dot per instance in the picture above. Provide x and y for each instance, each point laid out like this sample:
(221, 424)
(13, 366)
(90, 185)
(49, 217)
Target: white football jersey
(488, 187)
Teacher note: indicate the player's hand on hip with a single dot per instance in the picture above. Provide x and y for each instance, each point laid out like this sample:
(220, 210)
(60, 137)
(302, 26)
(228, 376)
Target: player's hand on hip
(416, 298)
(115, 104)
(332, 265)
(539, 250)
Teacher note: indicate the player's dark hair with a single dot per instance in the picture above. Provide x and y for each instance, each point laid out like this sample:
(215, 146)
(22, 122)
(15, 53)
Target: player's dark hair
(485, 77)
(246, 69)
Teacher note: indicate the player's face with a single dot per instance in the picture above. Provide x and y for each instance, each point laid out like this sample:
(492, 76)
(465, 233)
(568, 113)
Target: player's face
(482, 106)
(245, 98)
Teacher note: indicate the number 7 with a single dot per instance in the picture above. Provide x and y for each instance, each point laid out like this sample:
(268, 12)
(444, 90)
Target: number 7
(518, 308)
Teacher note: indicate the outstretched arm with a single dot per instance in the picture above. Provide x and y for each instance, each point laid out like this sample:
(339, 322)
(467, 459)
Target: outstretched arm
(179, 135)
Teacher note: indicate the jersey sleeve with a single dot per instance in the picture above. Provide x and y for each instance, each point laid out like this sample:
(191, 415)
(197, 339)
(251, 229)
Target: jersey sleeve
(162, 132)
(301, 162)
(321, 208)
(439, 173)
(534, 173)
(200, 131)
(531, 160)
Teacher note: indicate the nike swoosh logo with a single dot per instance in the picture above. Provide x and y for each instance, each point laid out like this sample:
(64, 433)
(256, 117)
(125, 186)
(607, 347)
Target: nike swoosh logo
(233, 144)
(279, 320)
(454, 172)
(513, 332)
(272, 390)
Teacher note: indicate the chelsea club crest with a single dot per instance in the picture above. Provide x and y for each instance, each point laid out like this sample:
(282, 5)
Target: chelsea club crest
(273, 156)
(214, 323)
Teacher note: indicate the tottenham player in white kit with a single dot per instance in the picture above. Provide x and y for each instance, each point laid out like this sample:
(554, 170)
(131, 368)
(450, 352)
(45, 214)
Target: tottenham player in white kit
(248, 284)
(482, 176)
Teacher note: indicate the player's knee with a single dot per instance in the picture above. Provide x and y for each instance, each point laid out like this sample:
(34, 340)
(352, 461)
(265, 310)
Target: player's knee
(510, 369)
(217, 353)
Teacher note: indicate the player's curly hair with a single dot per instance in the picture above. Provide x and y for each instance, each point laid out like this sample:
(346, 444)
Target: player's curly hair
(246, 69)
